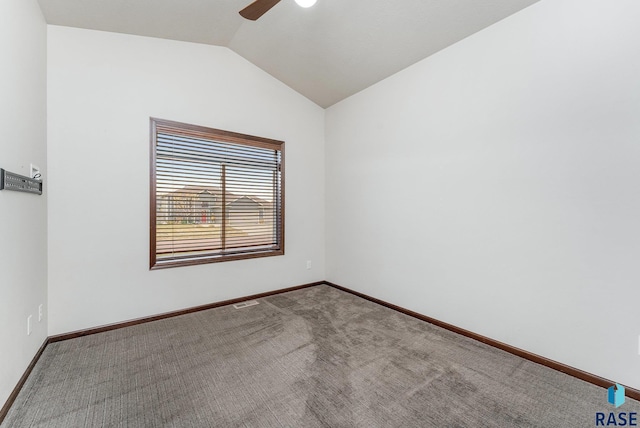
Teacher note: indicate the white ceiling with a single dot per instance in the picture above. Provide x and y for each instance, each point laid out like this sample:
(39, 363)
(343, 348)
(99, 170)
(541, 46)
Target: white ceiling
(327, 52)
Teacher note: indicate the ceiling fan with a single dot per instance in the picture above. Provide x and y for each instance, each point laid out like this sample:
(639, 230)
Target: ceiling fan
(259, 7)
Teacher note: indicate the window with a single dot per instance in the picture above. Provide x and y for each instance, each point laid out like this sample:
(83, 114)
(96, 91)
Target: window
(215, 195)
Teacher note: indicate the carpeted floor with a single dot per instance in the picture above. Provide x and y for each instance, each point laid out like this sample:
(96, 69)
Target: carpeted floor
(316, 357)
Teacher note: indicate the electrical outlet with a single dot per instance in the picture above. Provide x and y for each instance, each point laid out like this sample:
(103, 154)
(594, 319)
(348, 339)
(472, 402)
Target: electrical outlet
(29, 325)
(638, 345)
(40, 312)
(308, 264)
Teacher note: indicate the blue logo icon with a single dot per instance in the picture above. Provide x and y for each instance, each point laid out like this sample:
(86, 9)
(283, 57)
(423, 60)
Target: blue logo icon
(616, 395)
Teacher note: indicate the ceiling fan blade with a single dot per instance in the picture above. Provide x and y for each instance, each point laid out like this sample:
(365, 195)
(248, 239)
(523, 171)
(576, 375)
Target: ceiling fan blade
(258, 8)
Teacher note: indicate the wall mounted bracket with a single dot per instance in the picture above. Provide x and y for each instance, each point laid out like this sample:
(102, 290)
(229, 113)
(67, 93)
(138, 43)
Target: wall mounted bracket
(19, 183)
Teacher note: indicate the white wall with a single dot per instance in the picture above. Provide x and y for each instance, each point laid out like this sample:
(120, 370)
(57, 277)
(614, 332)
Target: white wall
(495, 185)
(102, 89)
(23, 233)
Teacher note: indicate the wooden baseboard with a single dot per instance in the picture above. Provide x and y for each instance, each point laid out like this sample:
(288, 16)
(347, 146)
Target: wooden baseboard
(115, 326)
(572, 371)
(21, 382)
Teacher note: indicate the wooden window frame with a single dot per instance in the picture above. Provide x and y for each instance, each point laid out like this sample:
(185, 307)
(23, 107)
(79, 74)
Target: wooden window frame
(220, 136)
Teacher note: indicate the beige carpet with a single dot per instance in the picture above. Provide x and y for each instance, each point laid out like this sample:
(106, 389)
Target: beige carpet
(316, 357)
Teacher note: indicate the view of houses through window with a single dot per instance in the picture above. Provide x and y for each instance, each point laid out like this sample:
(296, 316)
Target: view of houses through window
(215, 196)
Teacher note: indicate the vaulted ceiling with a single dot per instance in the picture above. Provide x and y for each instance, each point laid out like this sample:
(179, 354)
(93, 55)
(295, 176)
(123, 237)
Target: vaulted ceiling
(327, 52)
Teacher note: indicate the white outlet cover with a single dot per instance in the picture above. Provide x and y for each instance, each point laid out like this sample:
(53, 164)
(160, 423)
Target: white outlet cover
(29, 325)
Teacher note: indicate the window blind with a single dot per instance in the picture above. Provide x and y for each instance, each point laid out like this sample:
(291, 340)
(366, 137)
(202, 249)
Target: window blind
(216, 195)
